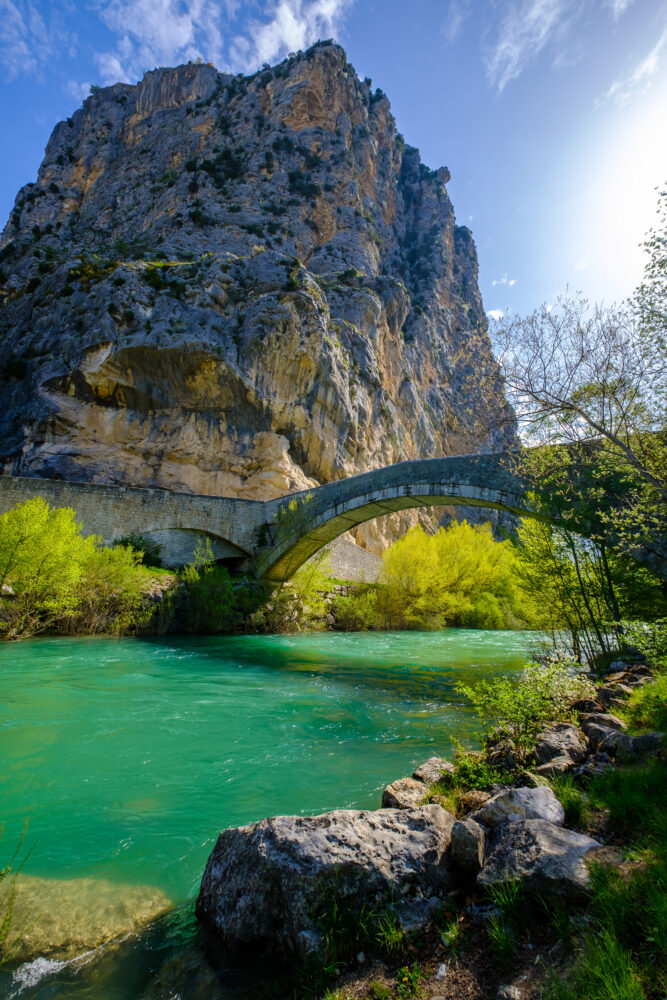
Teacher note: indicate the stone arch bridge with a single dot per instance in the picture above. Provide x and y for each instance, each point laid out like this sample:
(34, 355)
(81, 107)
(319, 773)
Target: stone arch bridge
(272, 539)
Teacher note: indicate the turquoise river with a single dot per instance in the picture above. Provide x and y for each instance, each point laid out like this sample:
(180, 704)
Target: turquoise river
(128, 756)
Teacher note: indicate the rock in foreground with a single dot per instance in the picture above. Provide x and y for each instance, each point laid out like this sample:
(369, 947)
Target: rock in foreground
(544, 856)
(264, 884)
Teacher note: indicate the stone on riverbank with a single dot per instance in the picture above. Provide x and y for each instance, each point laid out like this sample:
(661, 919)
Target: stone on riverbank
(406, 793)
(560, 740)
(433, 770)
(546, 857)
(514, 804)
(264, 883)
(602, 719)
(468, 842)
(62, 918)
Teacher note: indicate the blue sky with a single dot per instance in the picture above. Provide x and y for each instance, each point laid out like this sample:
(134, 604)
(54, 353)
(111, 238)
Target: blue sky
(550, 114)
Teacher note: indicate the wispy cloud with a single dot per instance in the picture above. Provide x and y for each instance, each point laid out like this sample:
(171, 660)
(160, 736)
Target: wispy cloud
(25, 42)
(640, 78)
(618, 7)
(509, 282)
(158, 33)
(528, 27)
(495, 314)
(292, 25)
(457, 13)
(523, 33)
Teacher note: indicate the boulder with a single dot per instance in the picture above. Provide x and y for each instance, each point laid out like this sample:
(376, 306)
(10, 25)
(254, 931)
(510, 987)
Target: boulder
(528, 779)
(647, 743)
(617, 744)
(406, 793)
(617, 676)
(264, 883)
(545, 856)
(469, 801)
(560, 740)
(521, 803)
(433, 770)
(597, 734)
(559, 765)
(585, 705)
(468, 841)
(602, 719)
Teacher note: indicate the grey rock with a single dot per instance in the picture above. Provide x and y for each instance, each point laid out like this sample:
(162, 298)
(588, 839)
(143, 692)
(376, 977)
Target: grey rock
(545, 856)
(263, 883)
(648, 743)
(597, 734)
(602, 719)
(406, 793)
(528, 779)
(617, 744)
(433, 770)
(469, 801)
(519, 804)
(559, 765)
(468, 842)
(585, 705)
(508, 993)
(560, 740)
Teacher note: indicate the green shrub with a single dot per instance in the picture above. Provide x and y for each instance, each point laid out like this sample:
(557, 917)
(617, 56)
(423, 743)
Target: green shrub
(650, 638)
(571, 798)
(646, 707)
(518, 710)
(54, 578)
(357, 611)
(209, 601)
(8, 875)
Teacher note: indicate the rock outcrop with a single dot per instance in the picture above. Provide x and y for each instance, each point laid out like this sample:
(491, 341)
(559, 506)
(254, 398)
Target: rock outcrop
(239, 286)
(266, 884)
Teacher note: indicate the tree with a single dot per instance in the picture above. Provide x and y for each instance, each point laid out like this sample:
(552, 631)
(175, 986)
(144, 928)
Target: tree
(595, 378)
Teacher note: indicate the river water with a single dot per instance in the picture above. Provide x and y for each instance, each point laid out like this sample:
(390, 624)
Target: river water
(128, 756)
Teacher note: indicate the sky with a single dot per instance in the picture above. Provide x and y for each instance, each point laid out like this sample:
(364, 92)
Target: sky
(550, 114)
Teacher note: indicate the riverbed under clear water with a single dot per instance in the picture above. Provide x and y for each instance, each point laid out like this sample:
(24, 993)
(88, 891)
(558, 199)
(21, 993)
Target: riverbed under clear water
(128, 756)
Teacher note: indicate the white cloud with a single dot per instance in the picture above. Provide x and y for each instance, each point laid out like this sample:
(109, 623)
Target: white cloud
(25, 44)
(159, 33)
(457, 13)
(293, 25)
(505, 280)
(77, 89)
(523, 33)
(618, 7)
(495, 314)
(167, 32)
(530, 26)
(639, 79)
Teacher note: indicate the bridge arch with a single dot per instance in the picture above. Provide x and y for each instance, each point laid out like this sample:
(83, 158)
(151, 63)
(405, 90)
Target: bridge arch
(305, 522)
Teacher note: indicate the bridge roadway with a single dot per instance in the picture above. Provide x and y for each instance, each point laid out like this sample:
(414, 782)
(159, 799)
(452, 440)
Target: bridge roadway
(271, 539)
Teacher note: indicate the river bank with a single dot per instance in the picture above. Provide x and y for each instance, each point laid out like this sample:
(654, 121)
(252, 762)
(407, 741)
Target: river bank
(508, 900)
(128, 755)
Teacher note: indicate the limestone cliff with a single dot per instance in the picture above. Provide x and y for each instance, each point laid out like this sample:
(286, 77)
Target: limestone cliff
(239, 286)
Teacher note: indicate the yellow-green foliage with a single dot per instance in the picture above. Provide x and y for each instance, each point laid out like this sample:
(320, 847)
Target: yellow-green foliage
(54, 578)
(298, 604)
(458, 576)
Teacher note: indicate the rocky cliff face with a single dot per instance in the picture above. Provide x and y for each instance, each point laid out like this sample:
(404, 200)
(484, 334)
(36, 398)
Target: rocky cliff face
(239, 286)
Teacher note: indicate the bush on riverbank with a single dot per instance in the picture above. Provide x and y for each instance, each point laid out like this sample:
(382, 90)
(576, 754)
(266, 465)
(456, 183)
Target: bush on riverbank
(460, 577)
(54, 579)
